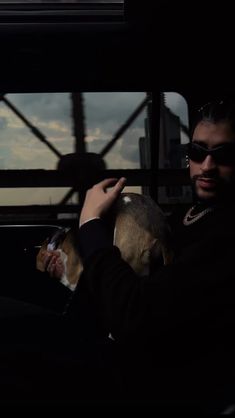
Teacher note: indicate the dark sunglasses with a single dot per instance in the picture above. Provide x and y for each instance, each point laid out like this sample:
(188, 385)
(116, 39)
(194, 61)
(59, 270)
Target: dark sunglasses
(224, 154)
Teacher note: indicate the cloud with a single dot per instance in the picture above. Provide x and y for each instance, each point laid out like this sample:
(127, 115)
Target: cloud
(3, 122)
(114, 110)
(111, 110)
(130, 145)
(46, 106)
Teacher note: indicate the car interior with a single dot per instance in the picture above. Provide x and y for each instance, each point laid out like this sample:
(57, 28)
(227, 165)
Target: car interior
(97, 89)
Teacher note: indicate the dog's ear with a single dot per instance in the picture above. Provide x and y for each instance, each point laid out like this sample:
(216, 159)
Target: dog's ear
(159, 250)
(74, 266)
(40, 255)
(168, 255)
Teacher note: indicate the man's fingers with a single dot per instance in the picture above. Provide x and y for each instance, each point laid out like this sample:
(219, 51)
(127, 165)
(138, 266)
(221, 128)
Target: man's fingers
(106, 183)
(99, 198)
(119, 186)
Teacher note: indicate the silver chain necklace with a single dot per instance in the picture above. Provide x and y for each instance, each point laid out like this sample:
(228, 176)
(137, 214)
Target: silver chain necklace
(190, 219)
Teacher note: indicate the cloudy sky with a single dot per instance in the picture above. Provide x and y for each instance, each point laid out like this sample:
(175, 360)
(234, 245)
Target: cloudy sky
(51, 114)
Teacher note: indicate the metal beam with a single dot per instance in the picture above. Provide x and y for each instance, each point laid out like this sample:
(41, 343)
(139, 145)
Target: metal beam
(54, 178)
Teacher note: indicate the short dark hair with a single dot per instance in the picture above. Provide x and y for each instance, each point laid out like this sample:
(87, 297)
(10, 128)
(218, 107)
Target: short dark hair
(221, 110)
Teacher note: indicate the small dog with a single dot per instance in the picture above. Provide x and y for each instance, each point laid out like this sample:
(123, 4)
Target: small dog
(140, 230)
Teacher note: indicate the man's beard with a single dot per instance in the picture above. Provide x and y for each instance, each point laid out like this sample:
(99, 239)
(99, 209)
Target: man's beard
(225, 191)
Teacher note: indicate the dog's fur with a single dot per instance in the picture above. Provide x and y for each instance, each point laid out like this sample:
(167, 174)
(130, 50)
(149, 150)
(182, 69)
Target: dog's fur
(69, 254)
(141, 232)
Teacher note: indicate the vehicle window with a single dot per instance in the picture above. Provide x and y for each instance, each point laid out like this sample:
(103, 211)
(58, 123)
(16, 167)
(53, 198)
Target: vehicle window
(38, 128)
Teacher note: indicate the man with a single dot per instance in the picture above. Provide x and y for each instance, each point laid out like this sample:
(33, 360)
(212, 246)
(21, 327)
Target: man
(175, 328)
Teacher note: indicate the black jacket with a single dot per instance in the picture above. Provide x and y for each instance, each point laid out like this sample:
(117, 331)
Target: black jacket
(174, 328)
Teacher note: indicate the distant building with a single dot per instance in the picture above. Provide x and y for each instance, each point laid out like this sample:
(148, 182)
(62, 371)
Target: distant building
(171, 154)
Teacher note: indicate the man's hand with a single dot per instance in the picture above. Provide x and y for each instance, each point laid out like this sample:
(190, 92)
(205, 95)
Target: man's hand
(52, 262)
(55, 264)
(98, 199)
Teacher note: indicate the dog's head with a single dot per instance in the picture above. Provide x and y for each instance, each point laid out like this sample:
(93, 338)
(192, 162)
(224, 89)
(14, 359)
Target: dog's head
(142, 232)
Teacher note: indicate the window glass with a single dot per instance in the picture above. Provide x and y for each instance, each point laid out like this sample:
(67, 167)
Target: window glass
(36, 128)
(174, 133)
(106, 114)
(50, 114)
